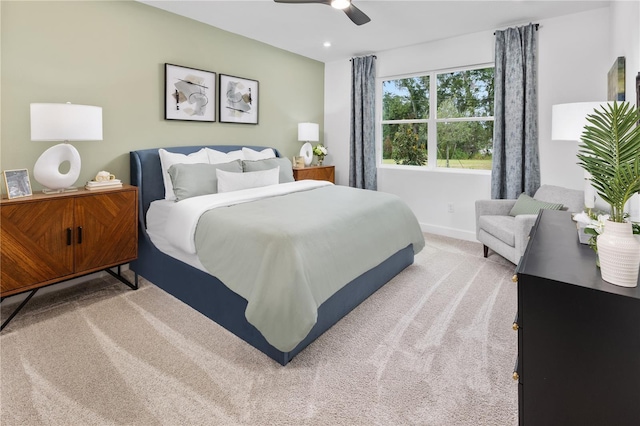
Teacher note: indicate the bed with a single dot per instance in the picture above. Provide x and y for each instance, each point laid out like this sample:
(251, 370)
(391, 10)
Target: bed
(175, 269)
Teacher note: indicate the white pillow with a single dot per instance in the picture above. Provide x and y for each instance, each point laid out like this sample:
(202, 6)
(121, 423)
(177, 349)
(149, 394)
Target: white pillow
(168, 159)
(218, 157)
(230, 181)
(253, 155)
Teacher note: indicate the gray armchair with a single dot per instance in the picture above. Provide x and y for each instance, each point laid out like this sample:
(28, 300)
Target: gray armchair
(507, 235)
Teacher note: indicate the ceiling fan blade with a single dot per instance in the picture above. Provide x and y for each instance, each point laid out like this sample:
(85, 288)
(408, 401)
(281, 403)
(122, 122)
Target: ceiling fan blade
(356, 15)
(304, 1)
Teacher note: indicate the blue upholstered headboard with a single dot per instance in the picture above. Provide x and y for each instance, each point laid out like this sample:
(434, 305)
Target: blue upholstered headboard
(146, 172)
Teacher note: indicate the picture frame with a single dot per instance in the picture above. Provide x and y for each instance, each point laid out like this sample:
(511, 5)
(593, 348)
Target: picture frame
(17, 183)
(190, 94)
(239, 100)
(298, 162)
(616, 80)
(638, 90)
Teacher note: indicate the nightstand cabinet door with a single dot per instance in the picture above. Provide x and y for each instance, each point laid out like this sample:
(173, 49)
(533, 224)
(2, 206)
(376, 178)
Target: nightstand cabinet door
(106, 229)
(35, 243)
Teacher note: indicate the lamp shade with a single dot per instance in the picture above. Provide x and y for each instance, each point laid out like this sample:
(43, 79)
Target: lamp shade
(62, 122)
(568, 120)
(308, 132)
(66, 122)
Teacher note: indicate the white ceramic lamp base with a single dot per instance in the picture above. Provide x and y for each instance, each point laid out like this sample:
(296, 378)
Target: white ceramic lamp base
(47, 169)
(307, 152)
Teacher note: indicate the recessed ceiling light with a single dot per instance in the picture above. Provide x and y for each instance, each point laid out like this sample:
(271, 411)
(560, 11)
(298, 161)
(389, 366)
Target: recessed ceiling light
(327, 44)
(341, 4)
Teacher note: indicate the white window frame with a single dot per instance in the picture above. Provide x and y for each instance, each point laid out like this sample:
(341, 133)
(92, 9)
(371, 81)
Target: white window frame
(432, 133)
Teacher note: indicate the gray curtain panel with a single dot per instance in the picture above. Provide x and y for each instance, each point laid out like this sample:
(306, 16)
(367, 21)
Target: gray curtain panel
(516, 166)
(362, 163)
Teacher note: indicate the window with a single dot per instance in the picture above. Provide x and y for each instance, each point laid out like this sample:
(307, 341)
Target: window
(456, 123)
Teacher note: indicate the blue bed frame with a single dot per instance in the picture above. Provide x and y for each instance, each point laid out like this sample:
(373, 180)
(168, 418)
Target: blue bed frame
(210, 296)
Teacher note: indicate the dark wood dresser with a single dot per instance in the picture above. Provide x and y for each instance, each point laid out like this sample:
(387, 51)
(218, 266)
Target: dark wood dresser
(578, 336)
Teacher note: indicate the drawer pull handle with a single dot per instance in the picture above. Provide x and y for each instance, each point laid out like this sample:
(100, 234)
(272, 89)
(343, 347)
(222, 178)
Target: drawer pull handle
(69, 236)
(515, 326)
(514, 278)
(516, 376)
(79, 234)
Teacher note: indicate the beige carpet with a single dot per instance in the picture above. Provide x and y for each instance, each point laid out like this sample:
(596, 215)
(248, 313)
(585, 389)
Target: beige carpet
(432, 347)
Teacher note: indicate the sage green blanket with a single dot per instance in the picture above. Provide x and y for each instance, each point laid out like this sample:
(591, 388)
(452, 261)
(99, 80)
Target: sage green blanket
(286, 255)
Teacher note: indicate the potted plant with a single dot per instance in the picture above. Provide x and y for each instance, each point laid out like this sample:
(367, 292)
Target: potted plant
(610, 153)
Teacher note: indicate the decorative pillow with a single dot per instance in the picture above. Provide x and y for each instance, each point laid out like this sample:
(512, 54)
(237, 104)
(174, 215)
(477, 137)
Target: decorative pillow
(167, 159)
(192, 180)
(228, 181)
(217, 157)
(527, 205)
(253, 155)
(286, 168)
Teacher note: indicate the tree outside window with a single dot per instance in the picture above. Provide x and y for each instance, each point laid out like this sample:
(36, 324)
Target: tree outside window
(456, 124)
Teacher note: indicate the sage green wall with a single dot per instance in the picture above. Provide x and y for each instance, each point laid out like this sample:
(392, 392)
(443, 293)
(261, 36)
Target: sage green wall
(112, 54)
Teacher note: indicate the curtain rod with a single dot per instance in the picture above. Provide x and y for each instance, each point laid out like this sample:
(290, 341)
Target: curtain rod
(351, 59)
(535, 25)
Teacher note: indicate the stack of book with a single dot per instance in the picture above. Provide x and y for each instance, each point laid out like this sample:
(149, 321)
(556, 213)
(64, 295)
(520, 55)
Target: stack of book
(113, 183)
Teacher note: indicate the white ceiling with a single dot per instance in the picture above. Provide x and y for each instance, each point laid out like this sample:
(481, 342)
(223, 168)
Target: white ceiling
(303, 28)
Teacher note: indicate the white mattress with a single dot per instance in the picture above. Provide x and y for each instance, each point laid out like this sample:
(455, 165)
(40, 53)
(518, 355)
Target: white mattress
(157, 224)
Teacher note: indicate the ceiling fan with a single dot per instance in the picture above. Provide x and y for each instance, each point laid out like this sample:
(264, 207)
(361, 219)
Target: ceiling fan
(356, 15)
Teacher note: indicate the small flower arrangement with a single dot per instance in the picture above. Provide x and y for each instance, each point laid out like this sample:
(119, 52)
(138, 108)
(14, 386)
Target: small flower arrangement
(320, 151)
(593, 224)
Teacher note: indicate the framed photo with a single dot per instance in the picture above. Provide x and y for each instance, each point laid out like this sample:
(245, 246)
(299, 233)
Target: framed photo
(189, 94)
(17, 183)
(298, 162)
(238, 100)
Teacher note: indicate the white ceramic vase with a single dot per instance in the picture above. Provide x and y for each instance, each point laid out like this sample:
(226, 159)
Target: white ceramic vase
(619, 254)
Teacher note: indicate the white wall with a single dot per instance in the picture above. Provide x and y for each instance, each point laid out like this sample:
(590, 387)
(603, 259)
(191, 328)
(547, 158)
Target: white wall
(625, 41)
(573, 61)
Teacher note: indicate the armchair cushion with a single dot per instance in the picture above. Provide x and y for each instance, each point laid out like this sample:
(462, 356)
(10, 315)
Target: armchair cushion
(501, 227)
(527, 205)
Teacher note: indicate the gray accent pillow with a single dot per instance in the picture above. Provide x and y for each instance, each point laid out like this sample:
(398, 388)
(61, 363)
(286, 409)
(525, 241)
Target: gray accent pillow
(192, 180)
(527, 205)
(286, 169)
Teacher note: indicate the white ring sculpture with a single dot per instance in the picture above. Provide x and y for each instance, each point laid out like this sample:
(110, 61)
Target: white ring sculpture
(47, 169)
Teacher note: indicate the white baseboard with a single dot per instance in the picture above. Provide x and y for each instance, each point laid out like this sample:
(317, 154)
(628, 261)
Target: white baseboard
(449, 232)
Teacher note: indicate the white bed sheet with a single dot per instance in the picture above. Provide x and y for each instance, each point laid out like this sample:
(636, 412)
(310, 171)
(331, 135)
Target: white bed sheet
(156, 228)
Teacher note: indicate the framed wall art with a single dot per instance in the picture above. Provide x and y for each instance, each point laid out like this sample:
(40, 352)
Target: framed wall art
(638, 90)
(238, 100)
(17, 183)
(189, 94)
(615, 81)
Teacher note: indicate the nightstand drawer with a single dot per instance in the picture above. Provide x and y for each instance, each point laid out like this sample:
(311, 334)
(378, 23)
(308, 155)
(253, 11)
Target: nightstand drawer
(315, 173)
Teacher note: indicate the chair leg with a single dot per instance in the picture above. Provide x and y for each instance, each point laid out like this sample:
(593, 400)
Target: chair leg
(486, 250)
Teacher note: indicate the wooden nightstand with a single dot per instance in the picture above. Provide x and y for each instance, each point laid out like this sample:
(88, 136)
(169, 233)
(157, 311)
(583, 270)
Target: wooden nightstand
(46, 239)
(316, 173)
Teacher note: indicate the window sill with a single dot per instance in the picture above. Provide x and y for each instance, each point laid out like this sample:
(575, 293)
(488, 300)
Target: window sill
(423, 169)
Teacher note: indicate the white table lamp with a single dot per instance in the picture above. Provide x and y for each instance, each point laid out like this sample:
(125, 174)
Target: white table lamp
(567, 123)
(308, 132)
(62, 122)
